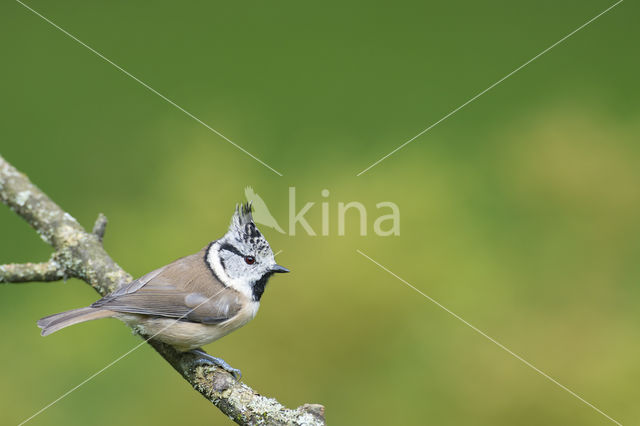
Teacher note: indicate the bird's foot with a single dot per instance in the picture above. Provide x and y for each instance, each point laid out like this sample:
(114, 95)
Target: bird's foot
(206, 359)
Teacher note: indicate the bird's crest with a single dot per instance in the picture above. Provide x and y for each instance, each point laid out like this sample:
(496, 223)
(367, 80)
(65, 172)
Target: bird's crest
(242, 216)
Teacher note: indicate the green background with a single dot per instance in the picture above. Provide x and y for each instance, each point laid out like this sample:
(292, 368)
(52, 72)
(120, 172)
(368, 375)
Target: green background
(519, 213)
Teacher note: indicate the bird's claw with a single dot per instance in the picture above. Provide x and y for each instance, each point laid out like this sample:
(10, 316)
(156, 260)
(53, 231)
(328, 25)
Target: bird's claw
(206, 359)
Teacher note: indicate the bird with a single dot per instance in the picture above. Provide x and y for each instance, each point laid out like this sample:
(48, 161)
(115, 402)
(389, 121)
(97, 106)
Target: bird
(262, 213)
(194, 300)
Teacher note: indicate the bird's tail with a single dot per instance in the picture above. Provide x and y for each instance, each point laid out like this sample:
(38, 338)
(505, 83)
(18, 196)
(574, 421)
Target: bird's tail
(55, 322)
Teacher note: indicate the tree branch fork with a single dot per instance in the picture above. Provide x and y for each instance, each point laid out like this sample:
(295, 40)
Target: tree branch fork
(80, 254)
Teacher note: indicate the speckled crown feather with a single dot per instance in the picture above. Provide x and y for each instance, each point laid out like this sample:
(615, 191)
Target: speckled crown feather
(244, 229)
(242, 216)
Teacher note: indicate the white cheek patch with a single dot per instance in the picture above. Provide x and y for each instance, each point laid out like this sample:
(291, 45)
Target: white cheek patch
(213, 259)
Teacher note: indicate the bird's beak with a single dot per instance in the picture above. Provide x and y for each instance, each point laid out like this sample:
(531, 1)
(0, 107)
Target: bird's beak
(278, 268)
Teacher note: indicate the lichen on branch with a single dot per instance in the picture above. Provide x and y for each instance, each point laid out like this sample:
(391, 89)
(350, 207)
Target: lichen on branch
(28, 272)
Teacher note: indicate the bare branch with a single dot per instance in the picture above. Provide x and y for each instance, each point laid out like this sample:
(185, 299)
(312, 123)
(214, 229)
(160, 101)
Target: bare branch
(100, 226)
(80, 254)
(237, 400)
(27, 272)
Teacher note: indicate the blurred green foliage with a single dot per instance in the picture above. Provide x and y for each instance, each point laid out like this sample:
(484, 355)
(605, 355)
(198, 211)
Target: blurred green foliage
(519, 213)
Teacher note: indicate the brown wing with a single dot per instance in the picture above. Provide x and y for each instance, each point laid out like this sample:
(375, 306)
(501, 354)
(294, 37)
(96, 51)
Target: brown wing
(185, 289)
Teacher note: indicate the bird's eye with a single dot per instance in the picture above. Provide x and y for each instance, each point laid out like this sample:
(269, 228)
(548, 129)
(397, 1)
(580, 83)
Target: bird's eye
(250, 260)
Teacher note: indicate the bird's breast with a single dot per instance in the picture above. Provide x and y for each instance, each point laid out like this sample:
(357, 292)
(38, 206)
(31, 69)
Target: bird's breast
(186, 335)
(244, 315)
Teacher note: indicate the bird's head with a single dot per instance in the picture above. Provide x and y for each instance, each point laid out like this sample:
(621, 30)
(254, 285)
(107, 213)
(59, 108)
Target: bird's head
(242, 258)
